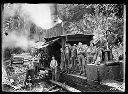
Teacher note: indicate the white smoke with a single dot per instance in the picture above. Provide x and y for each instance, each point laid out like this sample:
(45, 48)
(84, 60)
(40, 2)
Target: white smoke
(39, 14)
(14, 40)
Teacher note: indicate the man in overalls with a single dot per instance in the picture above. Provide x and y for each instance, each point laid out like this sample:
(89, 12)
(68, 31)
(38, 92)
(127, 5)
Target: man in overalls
(62, 65)
(81, 58)
(74, 56)
(53, 66)
(67, 54)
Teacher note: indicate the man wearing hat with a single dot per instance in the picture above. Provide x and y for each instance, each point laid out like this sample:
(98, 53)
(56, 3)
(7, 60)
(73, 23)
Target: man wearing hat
(67, 58)
(53, 65)
(62, 66)
(81, 59)
(74, 56)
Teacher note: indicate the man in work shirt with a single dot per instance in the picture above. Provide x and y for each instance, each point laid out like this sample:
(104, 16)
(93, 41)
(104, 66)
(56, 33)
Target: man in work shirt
(53, 66)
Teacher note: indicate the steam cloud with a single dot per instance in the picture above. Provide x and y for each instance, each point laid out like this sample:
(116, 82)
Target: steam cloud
(39, 14)
(14, 40)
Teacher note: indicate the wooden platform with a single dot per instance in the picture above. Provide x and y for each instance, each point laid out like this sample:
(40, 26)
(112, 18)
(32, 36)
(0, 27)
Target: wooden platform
(74, 79)
(81, 83)
(78, 76)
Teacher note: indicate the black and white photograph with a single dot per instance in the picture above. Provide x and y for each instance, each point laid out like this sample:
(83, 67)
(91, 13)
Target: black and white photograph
(52, 47)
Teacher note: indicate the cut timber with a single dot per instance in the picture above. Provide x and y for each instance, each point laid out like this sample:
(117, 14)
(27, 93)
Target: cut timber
(65, 86)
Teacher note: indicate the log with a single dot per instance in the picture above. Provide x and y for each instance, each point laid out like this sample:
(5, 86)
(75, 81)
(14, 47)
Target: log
(51, 88)
(68, 88)
(54, 90)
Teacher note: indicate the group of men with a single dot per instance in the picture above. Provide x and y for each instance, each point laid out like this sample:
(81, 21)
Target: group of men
(77, 56)
(80, 55)
(72, 58)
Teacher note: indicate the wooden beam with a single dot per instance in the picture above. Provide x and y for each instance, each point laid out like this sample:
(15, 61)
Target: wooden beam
(59, 43)
(78, 76)
(54, 90)
(68, 88)
(51, 88)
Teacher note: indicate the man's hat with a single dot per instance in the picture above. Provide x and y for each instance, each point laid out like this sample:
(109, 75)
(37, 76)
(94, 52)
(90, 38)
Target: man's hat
(79, 43)
(53, 56)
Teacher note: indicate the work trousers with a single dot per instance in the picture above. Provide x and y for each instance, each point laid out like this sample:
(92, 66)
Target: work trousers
(62, 65)
(67, 62)
(82, 62)
(73, 62)
(54, 74)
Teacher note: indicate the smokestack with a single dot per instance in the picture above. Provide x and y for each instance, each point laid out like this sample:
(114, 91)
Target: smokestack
(53, 9)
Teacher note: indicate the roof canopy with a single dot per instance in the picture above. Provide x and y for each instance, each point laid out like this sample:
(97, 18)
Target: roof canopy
(70, 38)
(58, 31)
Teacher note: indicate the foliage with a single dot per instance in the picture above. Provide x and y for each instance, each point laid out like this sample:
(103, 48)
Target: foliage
(13, 23)
(103, 17)
(72, 12)
(8, 51)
